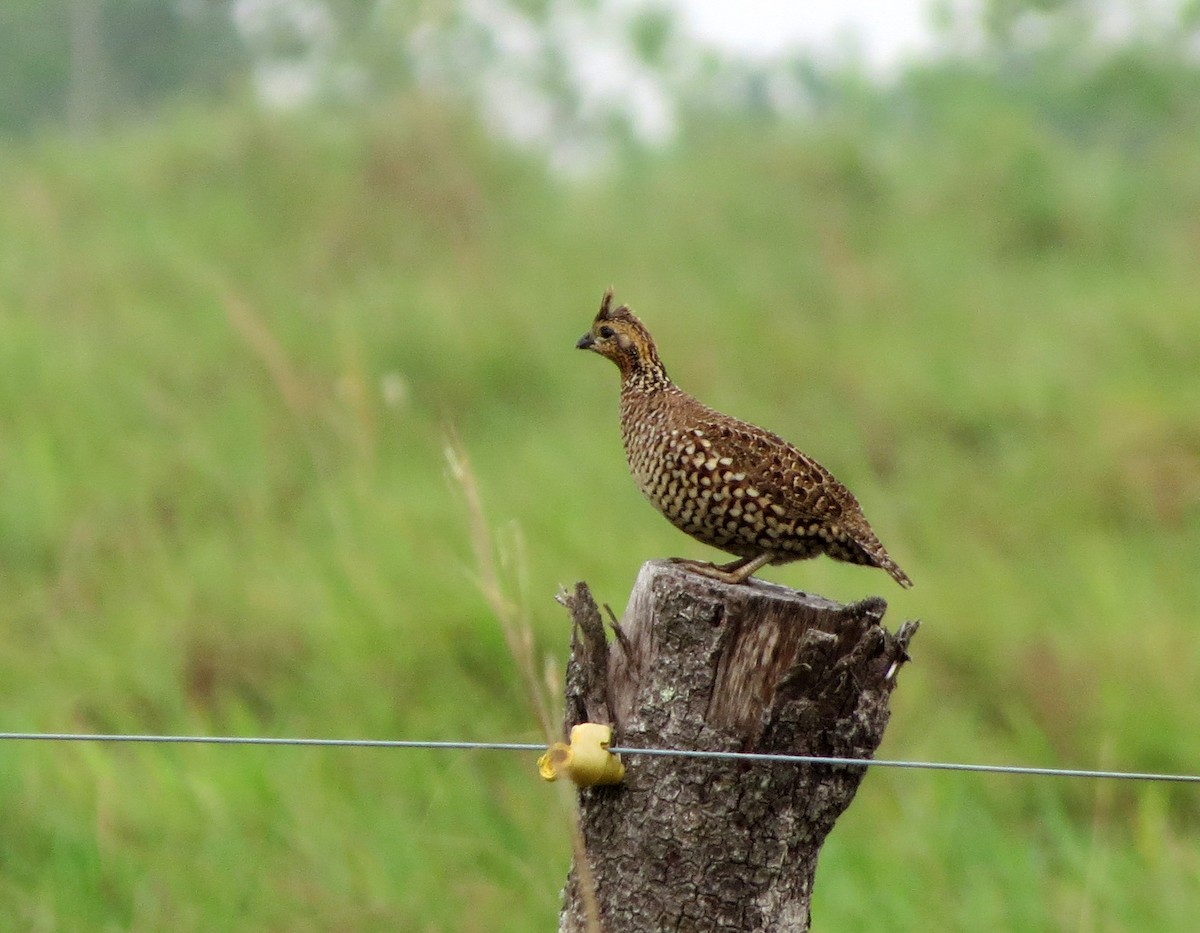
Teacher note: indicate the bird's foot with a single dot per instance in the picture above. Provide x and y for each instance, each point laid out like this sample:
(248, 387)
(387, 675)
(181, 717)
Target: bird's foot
(738, 571)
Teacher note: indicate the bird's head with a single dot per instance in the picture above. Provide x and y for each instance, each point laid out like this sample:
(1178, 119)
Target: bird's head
(619, 335)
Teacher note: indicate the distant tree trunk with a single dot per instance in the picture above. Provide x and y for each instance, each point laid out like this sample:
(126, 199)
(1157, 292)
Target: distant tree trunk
(87, 68)
(700, 844)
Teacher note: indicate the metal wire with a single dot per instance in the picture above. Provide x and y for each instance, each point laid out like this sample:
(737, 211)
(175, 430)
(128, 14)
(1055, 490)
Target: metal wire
(924, 765)
(263, 740)
(661, 752)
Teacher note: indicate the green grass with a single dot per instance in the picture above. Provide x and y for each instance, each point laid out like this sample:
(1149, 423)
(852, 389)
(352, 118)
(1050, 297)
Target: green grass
(231, 348)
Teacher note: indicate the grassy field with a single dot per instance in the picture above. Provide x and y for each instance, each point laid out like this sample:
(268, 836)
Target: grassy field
(231, 349)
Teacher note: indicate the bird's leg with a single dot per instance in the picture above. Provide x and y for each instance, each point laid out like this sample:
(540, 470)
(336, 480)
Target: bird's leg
(738, 571)
(704, 566)
(748, 569)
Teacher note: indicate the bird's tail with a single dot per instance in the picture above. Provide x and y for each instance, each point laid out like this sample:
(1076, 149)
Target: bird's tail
(894, 569)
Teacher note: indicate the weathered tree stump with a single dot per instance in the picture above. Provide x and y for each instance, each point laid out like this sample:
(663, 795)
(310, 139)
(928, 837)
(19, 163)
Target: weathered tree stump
(690, 844)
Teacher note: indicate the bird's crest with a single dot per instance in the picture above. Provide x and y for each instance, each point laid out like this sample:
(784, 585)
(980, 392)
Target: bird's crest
(608, 312)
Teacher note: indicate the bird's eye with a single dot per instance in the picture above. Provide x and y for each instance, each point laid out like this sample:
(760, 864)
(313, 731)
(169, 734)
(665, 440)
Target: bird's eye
(606, 332)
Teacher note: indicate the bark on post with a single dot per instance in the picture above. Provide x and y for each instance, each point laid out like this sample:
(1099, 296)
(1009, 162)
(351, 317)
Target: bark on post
(701, 844)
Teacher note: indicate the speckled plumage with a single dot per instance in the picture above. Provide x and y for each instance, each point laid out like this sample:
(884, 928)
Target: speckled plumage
(725, 482)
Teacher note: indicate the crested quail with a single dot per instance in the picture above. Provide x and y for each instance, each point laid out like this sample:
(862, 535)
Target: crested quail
(727, 483)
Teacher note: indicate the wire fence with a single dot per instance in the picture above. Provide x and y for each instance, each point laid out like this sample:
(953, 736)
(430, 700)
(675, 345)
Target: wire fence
(748, 757)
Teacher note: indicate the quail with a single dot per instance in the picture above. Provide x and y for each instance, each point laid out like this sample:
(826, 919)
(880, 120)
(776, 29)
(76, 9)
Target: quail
(725, 482)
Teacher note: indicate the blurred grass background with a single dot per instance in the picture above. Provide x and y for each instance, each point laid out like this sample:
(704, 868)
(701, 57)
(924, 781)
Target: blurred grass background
(233, 340)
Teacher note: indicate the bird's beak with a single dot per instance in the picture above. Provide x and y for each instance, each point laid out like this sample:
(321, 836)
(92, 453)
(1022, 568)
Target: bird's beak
(586, 342)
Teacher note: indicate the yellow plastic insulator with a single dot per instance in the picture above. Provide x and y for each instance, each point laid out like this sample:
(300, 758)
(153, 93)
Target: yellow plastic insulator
(587, 760)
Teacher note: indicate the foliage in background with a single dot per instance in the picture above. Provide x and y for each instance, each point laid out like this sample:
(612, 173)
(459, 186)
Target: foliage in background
(84, 63)
(574, 79)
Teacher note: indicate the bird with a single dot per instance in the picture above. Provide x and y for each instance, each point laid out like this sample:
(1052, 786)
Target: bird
(727, 483)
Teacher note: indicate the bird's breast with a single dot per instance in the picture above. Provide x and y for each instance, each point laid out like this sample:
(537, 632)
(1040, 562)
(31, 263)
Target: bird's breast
(695, 480)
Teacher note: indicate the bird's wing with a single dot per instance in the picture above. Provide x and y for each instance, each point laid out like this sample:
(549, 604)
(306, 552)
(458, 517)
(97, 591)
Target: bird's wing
(799, 484)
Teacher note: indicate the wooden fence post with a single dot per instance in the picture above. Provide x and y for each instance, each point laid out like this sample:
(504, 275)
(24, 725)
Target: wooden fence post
(701, 844)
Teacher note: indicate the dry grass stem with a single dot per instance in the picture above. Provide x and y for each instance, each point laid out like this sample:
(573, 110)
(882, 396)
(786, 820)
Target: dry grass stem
(515, 624)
